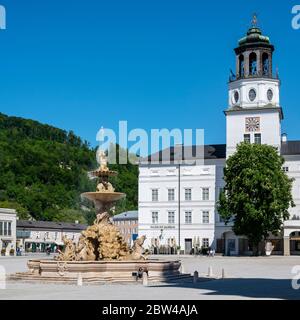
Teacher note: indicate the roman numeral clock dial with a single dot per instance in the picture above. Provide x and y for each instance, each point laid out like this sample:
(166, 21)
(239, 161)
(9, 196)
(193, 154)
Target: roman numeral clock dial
(252, 124)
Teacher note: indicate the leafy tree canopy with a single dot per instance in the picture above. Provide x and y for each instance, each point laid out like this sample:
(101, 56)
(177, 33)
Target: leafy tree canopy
(257, 193)
(21, 212)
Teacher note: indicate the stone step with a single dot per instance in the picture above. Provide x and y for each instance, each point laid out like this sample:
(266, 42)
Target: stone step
(34, 278)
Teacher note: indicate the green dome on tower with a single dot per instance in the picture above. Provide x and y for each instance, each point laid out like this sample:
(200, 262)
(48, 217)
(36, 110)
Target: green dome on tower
(254, 35)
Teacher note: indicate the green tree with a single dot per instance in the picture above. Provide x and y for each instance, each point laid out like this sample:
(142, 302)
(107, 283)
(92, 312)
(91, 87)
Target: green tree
(257, 193)
(22, 213)
(69, 215)
(43, 171)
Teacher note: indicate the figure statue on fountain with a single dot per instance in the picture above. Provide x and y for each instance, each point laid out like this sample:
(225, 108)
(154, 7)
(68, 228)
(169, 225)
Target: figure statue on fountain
(104, 185)
(102, 160)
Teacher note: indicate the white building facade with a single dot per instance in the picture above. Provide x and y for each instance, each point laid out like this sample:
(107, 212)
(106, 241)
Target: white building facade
(37, 236)
(177, 201)
(8, 219)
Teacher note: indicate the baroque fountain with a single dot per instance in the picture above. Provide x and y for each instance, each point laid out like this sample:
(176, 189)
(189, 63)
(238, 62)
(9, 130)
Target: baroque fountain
(101, 254)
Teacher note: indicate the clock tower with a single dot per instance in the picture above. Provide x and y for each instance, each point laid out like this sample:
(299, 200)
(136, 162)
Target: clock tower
(254, 113)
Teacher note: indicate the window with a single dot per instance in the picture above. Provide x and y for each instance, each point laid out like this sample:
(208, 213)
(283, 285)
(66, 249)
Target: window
(266, 64)
(205, 217)
(171, 217)
(188, 217)
(154, 194)
(1, 228)
(188, 194)
(252, 95)
(205, 242)
(285, 169)
(270, 95)
(236, 96)
(154, 217)
(5, 229)
(205, 194)
(247, 138)
(257, 138)
(171, 194)
(253, 64)
(241, 66)
(9, 228)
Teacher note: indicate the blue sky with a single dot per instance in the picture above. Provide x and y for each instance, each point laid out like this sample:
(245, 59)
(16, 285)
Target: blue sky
(80, 65)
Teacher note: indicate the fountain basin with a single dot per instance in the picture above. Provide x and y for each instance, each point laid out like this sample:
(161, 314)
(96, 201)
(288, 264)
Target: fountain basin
(104, 197)
(100, 271)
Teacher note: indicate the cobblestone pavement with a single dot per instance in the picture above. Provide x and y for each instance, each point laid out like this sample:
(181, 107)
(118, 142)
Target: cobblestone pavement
(246, 278)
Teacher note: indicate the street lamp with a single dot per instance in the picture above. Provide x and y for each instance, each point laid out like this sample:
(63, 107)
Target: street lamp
(179, 201)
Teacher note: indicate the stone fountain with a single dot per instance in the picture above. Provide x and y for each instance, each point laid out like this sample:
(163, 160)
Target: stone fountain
(101, 254)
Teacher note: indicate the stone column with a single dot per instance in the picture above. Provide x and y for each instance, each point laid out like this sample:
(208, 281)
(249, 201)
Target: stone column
(237, 67)
(286, 246)
(246, 62)
(270, 65)
(259, 63)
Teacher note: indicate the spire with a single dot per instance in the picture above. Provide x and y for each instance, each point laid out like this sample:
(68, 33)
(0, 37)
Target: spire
(254, 20)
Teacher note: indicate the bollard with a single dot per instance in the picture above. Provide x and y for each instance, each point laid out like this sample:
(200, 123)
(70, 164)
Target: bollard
(145, 279)
(2, 278)
(79, 280)
(223, 274)
(181, 269)
(196, 276)
(210, 272)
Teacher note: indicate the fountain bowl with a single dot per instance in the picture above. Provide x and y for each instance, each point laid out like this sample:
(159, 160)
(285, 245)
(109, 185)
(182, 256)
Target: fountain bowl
(104, 197)
(52, 271)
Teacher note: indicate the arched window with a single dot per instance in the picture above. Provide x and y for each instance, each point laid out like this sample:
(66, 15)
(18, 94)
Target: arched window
(253, 64)
(241, 66)
(265, 64)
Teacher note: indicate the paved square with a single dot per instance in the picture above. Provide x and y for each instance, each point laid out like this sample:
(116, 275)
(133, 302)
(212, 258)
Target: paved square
(246, 278)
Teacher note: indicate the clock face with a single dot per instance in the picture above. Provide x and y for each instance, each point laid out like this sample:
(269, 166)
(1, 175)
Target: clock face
(252, 95)
(270, 95)
(252, 124)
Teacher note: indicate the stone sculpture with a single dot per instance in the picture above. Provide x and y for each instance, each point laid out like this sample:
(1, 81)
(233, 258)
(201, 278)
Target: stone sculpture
(102, 240)
(69, 252)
